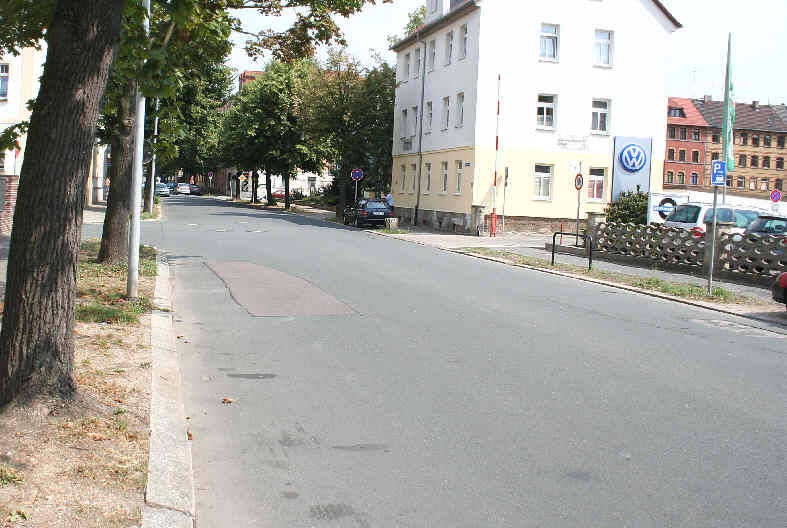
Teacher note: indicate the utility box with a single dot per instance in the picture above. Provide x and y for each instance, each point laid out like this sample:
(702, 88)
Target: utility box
(392, 223)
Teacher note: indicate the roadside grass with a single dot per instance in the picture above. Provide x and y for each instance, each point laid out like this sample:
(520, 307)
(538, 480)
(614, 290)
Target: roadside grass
(9, 475)
(393, 231)
(675, 289)
(151, 216)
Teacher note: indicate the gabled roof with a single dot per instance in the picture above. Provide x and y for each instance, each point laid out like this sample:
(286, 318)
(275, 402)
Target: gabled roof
(763, 118)
(693, 116)
(667, 14)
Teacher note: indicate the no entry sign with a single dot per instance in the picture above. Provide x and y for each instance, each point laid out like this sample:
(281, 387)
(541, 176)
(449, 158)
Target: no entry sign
(356, 174)
(578, 182)
(776, 195)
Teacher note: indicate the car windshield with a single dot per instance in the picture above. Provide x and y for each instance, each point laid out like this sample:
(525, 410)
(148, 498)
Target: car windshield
(744, 217)
(376, 205)
(686, 214)
(771, 226)
(160, 186)
(723, 214)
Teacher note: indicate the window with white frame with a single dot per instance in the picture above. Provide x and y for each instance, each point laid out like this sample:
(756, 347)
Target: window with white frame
(549, 41)
(404, 123)
(3, 81)
(417, 71)
(464, 42)
(460, 109)
(414, 172)
(545, 111)
(543, 181)
(432, 6)
(429, 114)
(2, 161)
(596, 184)
(432, 54)
(449, 47)
(603, 47)
(428, 177)
(404, 177)
(600, 119)
(459, 165)
(446, 112)
(444, 167)
(414, 120)
(406, 67)
(670, 177)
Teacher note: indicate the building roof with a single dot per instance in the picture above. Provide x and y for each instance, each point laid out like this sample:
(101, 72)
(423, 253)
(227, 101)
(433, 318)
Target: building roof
(693, 116)
(781, 111)
(748, 116)
(667, 14)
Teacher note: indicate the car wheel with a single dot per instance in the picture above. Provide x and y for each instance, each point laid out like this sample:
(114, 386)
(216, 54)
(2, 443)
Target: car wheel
(346, 222)
(357, 223)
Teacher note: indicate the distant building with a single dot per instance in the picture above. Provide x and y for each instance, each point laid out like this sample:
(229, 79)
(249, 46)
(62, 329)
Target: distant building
(582, 87)
(247, 77)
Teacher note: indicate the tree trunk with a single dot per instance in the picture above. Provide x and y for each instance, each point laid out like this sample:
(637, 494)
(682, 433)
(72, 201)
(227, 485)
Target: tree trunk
(37, 341)
(114, 239)
(269, 188)
(255, 182)
(286, 191)
(147, 199)
(341, 203)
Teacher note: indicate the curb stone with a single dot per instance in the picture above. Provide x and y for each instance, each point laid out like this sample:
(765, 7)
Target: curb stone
(169, 497)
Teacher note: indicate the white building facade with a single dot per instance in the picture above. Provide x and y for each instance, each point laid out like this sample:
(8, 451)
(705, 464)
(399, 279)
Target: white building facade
(575, 76)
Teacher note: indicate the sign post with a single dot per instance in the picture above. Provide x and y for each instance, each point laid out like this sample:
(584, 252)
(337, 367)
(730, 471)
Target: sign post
(578, 183)
(505, 186)
(356, 175)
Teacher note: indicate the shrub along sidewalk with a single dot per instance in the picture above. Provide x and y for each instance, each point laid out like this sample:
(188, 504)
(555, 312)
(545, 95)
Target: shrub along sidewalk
(83, 462)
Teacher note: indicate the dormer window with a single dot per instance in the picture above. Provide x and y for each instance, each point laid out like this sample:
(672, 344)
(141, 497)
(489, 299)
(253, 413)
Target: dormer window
(675, 111)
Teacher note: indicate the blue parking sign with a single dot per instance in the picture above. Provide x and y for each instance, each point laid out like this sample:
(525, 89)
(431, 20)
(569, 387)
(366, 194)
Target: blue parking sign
(718, 173)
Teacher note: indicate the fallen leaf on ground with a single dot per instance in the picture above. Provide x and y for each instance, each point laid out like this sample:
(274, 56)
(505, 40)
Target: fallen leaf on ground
(191, 436)
(180, 337)
(226, 401)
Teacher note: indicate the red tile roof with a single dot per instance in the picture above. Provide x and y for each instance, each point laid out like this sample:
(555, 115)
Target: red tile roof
(693, 116)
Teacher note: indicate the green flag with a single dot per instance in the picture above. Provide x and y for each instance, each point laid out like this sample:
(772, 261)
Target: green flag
(728, 125)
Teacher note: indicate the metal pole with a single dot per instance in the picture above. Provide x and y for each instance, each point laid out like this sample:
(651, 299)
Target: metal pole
(713, 241)
(579, 197)
(493, 227)
(132, 284)
(505, 187)
(356, 190)
(420, 131)
(149, 204)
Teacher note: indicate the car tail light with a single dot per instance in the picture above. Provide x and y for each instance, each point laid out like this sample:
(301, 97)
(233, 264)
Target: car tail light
(697, 232)
(783, 280)
(364, 213)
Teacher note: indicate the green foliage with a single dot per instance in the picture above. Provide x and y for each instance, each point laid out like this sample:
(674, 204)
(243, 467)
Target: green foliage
(415, 19)
(23, 23)
(631, 207)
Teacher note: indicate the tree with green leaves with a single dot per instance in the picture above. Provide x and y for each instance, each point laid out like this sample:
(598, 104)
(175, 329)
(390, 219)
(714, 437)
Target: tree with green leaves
(36, 341)
(631, 207)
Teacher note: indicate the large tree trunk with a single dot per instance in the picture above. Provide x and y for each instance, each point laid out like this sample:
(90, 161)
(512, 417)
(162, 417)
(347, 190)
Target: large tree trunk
(286, 191)
(269, 188)
(341, 203)
(114, 239)
(255, 182)
(36, 341)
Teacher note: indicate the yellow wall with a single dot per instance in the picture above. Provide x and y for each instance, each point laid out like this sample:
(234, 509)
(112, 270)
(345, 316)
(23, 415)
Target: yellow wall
(436, 199)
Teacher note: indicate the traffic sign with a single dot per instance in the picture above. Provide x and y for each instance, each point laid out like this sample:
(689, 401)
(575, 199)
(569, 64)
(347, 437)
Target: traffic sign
(356, 174)
(718, 173)
(578, 182)
(210, 174)
(776, 195)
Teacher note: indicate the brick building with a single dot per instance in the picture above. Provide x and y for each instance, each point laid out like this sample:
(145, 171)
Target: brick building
(247, 77)
(687, 135)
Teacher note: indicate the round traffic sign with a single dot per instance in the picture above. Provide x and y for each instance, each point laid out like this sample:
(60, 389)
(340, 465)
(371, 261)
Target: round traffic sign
(356, 174)
(578, 182)
(776, 195)
(210, 174)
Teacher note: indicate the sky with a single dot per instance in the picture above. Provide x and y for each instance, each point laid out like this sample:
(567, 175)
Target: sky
(695, 59)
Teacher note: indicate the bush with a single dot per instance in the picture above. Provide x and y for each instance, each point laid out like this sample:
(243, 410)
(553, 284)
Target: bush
(298, 195)
(631, 207)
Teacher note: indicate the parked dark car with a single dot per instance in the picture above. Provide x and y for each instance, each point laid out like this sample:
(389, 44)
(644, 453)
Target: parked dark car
(768, 225)
(171, 186)
(779, 289)
(195, 189)
(367, 212)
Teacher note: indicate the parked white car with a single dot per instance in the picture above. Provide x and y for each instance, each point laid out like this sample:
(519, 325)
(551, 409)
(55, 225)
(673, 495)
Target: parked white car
(183, 188)
(693, 216)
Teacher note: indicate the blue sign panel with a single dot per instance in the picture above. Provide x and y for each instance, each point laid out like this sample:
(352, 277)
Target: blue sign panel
(718, 173)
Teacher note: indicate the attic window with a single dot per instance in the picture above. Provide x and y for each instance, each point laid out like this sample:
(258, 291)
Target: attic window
(675, 111)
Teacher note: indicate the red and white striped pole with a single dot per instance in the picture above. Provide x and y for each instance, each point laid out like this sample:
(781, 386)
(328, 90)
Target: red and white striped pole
(493, 227)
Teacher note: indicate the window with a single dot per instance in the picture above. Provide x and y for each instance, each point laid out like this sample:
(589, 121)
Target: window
(741, 182)
(460, 109)
(752, 184)
(780, 142)
(543, 180)
(716, 137)
(755, 141)
(682, 155)
(444, 166)
(603, 48)
(694, 179)
(464, 42)
(729, 180)
(755, 161)
(696, 134)
(549, 41)
(714, 156)
(670, 177)
(683, 133)
(766, 141)
(545, 112)
(3, 81)
(428, 177)
(432, 54)
(780, 163)
(414, 130)
(417, 71)
(414, 171)
(596, 184)
(449, 47)
(671, 154)
(675, 111)
(446, 112)
(404, 123)
(2, 161)
(744, 138)
(429, 114)
(406, 67)
(432, 6)
(404, 177)
(764, 184)
(695, 156)
(673, 132)
(766, 162)
(600, 116)
(459, 165)
(777, 184)
(742, 160)
(681, 178)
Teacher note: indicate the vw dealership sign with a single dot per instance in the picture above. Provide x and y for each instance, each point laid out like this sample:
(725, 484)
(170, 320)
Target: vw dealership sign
(632, 165)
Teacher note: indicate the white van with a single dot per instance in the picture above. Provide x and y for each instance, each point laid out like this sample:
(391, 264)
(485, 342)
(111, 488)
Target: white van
(694, 216)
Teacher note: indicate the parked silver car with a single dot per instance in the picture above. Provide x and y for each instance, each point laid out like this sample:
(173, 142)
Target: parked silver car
(693, 216)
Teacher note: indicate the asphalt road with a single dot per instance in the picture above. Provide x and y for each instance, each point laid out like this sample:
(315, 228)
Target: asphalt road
(379, 383)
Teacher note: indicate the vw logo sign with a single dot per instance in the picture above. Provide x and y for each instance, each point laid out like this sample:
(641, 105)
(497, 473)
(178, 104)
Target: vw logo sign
(633, 158)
